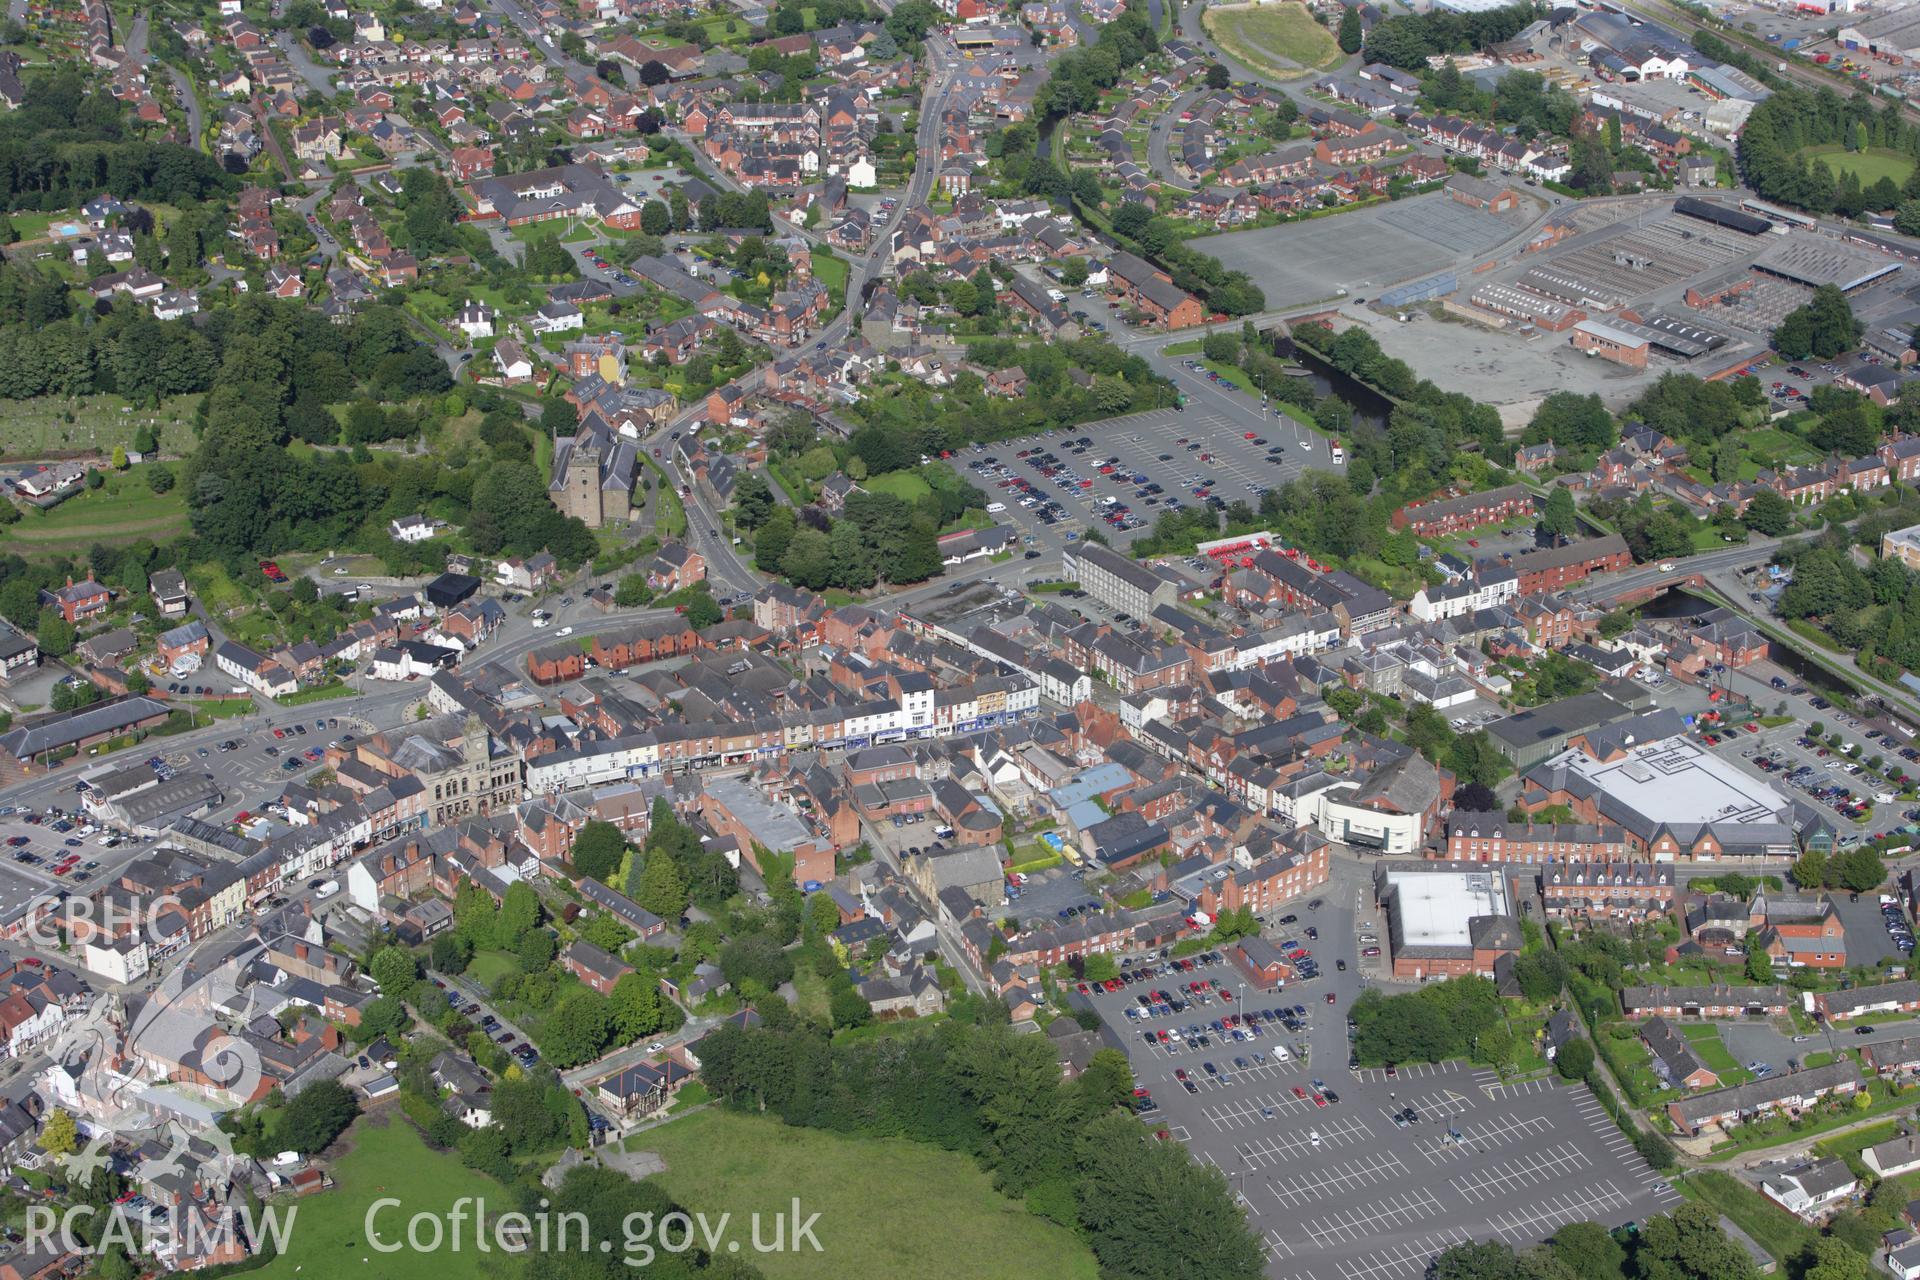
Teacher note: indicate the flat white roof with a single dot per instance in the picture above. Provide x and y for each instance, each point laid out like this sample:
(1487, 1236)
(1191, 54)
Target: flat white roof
(1435, 906)
(1675, 780)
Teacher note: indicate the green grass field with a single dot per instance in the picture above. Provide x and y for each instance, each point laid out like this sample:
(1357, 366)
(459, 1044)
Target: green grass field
(1269, 37)
(1773, 1228)
(388, 1159)
(489, 967)
(122, 510)
(901, 484)
(831, 272)
(1869, 166)
(887, 1206)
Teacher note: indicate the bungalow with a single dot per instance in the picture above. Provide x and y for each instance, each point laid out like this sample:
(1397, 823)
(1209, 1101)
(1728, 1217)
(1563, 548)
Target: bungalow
(510, 359)
(1809, 1189)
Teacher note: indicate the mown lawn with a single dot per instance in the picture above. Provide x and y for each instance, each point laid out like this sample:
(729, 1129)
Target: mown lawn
(489, 967)
(1869, 166)
(902, 484)
(387, 1160)
(887, 1207)
(832, 272)
(121, 510)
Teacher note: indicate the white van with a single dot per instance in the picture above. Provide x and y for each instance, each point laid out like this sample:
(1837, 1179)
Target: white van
(995, 508)
(1280, 1053)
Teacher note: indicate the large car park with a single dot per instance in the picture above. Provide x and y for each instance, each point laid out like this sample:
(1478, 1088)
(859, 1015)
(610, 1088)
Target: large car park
(1347, 1173)
(1121, 473)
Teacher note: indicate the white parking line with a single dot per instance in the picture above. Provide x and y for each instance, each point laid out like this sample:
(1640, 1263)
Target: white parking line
(1366, 1172)
(1274, 1149)
(1347, 1225)
(1406, 1261)
(1440, 1105)
(1519, 1089)
(1498, 1132)
(1498, 1182)
(1526, 1226)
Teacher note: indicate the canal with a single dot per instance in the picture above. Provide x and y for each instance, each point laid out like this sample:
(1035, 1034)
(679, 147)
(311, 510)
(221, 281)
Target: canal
(1680, 603)
(1368, 405)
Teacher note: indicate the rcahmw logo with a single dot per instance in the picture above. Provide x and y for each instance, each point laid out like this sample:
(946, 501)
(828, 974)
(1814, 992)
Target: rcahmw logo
(74, 1229)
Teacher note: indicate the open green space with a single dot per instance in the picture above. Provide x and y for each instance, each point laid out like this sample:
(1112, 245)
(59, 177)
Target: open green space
(489, 967)
(1270, 37)
(388, 1160)
(1869, 166)
(1717, 1057)
(121, 510)
(832, 272)
(887, 1206)
(1772, 1227)
(904, 485)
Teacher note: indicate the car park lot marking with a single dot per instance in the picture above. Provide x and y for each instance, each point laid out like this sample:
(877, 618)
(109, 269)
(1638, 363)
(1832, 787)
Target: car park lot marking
(1498, 1132)
(1368, 1171)
(1246, 1113)
(1524, 1226)
(1344, 1226)
(1412, 1071)
(1282, 1148)
(1501, 1181)
(1518, 1089)
(1275, 1244)
(1404, 1261)
(1441, 1105)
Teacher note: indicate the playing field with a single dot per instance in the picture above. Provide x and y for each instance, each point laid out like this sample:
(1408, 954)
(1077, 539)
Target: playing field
(124, 509)
(388, 1159)
(1283, 39)
(1869, 166)
(887, 1207)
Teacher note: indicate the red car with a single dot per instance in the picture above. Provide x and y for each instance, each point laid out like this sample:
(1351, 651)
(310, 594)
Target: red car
(1329, 997)
(1299, 1093)
(1319, 1100)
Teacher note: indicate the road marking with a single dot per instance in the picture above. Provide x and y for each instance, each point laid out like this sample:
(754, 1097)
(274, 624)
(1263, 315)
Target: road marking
(1347, 1225)
(1405, 1261)
(1519, 1089)
(1526, 1226)
(1369, 1171)
(1501, 1181)
(1280, 1148)
(1498, 1132)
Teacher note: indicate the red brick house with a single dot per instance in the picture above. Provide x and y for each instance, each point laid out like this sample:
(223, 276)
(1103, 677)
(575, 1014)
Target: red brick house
(555, 663)
(597, 968)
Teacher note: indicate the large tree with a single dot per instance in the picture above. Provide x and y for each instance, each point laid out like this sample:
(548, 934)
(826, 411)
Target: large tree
(598, 850)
